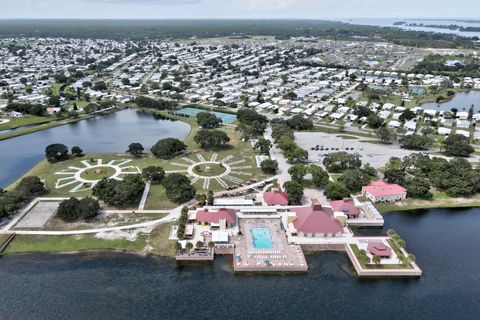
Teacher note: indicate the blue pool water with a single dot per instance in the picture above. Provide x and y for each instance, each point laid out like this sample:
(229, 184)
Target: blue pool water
(192, 112)
(261, 238)
(417, 90)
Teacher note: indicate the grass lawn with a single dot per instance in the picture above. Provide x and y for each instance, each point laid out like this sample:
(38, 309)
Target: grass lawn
(157, 199)
(24, 121)
(98, 173)
(25, 243)
(209, 170)
(159, 240)
(439, 200)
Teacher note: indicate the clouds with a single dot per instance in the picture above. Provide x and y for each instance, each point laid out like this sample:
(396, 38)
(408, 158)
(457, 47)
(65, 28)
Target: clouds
(153, 2)
(243, 9)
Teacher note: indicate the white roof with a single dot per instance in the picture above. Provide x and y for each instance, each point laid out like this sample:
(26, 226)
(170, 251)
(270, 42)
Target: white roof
(219, 236)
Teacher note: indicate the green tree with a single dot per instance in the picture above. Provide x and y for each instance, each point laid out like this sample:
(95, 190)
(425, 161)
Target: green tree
(56, 152)
(319, 176)
(395, 176)
(269, 166)
(77, 151)
(407, 115)
(354, 179)
(336, 191)
(211, 244)
(385, 134)
(208, 120)
(189, 246)
(264, 146)
(211, 138)
(135, 149)
(415, 142)
(30, 187)
(341, 161)
(178, 188)
(199, 244)
(153, 174)
(210, 198)
(120, 193)
(294, 191)
(178, 246)
(167, 148)
(298, 122)
(457, 145)
(418, 187)
(100, 86)
(376, 259)
(297, 172)
(374, 121)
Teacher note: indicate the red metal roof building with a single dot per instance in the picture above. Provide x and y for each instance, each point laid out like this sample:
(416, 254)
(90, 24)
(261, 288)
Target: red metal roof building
(346, 206)
(381, 191)
(208, 217)
(315, 221)
(379, 249)
(275, 198)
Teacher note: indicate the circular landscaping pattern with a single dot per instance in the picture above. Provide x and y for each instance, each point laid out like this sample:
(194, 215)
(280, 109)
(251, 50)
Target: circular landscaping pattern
(98, 173)
(209, 169)
(94, 174)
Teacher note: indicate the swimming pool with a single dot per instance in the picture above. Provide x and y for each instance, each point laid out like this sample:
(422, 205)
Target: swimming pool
(261, 238)
(192, 112)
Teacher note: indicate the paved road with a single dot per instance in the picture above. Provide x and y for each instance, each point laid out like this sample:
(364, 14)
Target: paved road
(277, 154)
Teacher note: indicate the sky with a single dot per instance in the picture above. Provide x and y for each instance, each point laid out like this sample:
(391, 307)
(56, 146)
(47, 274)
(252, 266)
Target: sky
(242, 9)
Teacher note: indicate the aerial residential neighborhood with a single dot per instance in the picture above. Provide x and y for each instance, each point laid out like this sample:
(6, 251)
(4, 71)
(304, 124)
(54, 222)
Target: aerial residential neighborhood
(282, 168)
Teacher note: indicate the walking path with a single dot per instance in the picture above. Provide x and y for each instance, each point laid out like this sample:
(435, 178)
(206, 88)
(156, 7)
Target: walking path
(141, 206)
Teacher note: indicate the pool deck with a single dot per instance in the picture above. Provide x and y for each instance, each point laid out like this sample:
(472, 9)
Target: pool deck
(282, 257)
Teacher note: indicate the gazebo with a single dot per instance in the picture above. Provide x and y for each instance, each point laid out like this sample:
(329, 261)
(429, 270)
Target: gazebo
(379, 249)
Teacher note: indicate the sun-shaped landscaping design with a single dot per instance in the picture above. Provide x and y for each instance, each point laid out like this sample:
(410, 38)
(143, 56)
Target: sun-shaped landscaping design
(222, 171)
(87, 174)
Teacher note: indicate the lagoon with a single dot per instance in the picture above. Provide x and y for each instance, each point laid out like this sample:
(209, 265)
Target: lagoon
(108, 133)
(462, 101)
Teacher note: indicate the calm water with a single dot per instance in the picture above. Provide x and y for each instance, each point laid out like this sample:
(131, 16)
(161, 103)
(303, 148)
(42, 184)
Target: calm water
(110, 133)
(122, 286)
(388, 22)
(462, 101)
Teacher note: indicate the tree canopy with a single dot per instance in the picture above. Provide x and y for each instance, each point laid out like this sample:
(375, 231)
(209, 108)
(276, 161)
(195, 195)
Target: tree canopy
(457, 145)
(341, 161)
(153, 174)
(56, 152)
(208, 120)
(178, 188)
(120, 193)
(73, 209)
(168, 147)
(211, 138)
(135, 149)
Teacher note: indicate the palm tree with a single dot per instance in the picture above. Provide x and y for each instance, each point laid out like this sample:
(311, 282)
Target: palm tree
(401, 243)
(391, 232)
(178, 246)
(189, 246)
(376, 259)
(211, 244)
(412, 257)
(395, 237)
(199, 244)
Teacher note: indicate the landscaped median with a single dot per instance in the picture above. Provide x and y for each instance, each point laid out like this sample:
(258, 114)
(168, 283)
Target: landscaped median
(403, 267)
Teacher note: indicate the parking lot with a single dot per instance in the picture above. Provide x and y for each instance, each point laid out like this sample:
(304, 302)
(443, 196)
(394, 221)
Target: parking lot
(377, 155)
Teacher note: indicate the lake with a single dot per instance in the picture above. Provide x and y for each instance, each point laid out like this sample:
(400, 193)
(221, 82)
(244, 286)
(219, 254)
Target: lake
(126, 286)
(462, 101)
(108, 133)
